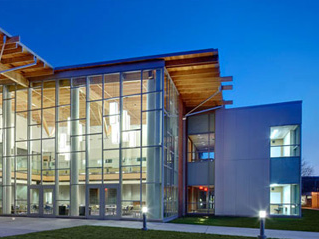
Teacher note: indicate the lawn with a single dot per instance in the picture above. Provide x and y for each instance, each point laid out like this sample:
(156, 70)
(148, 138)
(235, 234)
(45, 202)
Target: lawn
(308, 222)
(98, 232)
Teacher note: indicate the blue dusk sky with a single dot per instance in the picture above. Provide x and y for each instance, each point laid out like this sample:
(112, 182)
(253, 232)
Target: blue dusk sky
(270, 47)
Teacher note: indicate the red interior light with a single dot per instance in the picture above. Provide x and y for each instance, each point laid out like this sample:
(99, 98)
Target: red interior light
(205, 189)
(201, 187)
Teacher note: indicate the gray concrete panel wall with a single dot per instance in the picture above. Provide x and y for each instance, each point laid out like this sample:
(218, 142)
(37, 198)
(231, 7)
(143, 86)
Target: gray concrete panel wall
(242, 155)
(200, 173)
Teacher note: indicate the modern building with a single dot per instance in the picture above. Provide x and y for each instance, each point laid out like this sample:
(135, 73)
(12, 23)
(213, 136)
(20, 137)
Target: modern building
(101, 140)
(310, 191)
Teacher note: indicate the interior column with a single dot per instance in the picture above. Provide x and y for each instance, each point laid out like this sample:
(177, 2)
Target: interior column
(7, 150)
(153, 160)
(75, 147)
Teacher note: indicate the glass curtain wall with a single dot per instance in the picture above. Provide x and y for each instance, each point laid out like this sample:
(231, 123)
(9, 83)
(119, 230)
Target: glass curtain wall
(64, 135)
(1, 150)
(285, 166)
(171, 113)
(201, 149)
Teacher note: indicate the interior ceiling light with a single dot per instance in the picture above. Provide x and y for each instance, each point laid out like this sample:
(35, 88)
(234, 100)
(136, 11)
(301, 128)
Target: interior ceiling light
(274, 133)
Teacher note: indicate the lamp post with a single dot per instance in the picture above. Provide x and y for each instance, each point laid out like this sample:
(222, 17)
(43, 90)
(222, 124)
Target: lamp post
(144, 211)
(262, 216)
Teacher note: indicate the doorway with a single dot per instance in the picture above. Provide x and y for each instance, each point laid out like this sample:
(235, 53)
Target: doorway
(41, 200)
(103, 201)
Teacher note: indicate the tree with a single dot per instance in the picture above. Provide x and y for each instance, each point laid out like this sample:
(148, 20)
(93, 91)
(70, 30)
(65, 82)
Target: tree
(306, 169)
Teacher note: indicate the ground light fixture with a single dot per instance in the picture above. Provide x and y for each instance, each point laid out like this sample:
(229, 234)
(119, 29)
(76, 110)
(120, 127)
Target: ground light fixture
(144, 211)
(262, 217)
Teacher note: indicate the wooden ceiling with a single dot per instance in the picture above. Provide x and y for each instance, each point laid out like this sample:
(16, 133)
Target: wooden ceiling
(14, 54)
(197, 77)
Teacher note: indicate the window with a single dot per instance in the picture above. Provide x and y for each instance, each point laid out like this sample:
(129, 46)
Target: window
(200, 199)
(284, 199)
(285, 141)
(201, 138)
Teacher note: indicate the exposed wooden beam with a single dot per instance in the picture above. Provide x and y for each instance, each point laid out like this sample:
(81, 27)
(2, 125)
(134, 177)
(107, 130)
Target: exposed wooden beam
(13, 39)
(227, 87)
(12, 75)
(19, 49)
(2, 77)
(183, 73)
(199, 95)
(10, 41)
(184, 81)
(39, 65)
(45, 71)
(192, 61)
(211, 104)
(8, 46)
(227, 102)
(17, 59)
(6, 82)
(226, 79)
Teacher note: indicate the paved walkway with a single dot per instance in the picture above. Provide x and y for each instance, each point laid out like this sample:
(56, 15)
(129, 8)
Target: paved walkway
(23, 225)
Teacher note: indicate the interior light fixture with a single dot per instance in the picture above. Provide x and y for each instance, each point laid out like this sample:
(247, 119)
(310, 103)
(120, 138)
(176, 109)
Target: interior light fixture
(273, 133)
(274, 185)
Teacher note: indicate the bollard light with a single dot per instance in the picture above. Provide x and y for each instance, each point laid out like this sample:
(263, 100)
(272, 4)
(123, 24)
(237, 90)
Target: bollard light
(144, 211)
(262, 216)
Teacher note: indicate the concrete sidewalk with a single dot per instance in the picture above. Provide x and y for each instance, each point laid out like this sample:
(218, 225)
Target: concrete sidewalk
(23, 225)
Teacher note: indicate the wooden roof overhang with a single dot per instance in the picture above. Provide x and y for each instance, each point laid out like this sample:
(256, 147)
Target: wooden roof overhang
(196, 76)
(18, 63)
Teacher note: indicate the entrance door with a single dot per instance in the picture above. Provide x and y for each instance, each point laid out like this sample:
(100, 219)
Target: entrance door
(103, 201)
(41, 200)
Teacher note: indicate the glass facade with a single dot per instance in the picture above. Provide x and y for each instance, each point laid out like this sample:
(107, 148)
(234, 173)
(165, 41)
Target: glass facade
(201, 138)
(200, 199)
(200, 163)
(93, 146)
(285, 141)
(171, 113)
(285, 166)
(285, 199)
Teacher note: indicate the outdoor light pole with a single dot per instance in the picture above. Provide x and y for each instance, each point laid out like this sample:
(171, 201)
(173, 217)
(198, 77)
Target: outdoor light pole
(144, 211)
(262, 216)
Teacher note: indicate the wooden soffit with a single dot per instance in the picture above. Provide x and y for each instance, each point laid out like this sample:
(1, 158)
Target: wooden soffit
(18, 63)
(196, 76)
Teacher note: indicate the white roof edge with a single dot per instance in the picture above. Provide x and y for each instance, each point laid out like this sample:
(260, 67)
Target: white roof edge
(28, 49)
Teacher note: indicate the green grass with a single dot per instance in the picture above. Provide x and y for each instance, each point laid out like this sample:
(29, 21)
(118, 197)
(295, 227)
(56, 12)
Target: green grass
(308, 222)
(98, 232)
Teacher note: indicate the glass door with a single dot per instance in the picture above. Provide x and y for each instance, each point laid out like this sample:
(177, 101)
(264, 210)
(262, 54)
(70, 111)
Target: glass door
(48, 200)
(94, 201)
(34, 200)
(41, 200)
(111, 202)
(103, 201)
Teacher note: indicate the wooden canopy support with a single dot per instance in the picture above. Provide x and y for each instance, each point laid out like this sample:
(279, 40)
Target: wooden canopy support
(16, 60)
(14, 76)
(192, 61)
(227, 87)
(196, 76)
